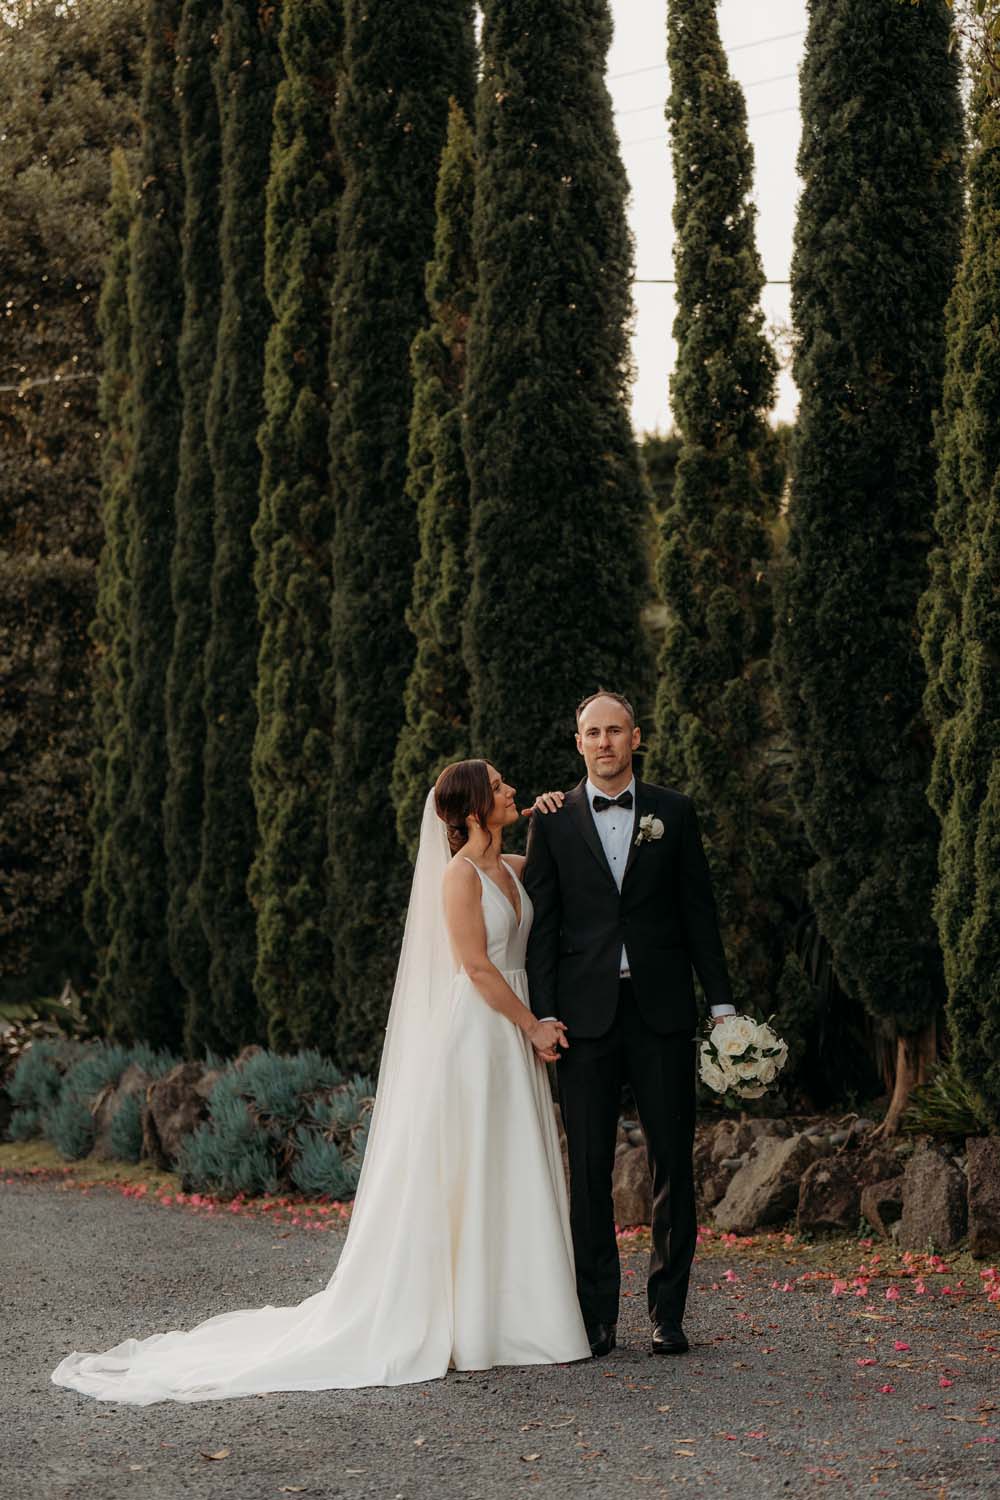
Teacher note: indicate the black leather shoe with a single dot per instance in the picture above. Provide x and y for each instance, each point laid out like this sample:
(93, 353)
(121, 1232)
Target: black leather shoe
(668, 1338)
(602, 1338)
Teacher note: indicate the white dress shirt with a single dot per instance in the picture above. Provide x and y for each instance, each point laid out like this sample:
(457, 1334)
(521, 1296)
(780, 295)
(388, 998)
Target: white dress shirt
(615, 827)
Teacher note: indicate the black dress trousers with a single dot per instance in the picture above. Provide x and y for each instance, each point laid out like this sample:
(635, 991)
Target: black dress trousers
(660, 1068)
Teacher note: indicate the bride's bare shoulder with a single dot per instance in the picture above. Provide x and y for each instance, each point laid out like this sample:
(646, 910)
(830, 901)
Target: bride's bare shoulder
(460, 871)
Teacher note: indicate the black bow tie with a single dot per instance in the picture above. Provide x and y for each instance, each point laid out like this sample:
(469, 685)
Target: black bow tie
(624, 799)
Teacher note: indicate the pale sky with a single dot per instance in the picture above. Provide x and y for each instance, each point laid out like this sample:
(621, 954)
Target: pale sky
(764, 39)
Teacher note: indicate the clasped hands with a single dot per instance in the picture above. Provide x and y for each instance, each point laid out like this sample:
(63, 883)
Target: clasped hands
(547, 1037)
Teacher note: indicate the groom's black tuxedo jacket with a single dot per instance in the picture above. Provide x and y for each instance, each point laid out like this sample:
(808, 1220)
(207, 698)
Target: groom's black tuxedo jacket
(665, 915)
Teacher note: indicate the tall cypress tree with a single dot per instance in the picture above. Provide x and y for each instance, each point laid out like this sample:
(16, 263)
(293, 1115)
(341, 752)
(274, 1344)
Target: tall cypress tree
(961, 625)
(715, 708)
(109, 629)
(558, 500)
(292, 537)
(436, 730)
(226, 1015)
(147, 1000)
(401, 64)
(191, 564)
(875, 252)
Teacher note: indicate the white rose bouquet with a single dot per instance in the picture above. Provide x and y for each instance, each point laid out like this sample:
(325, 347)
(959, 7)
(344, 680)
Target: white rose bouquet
(741, 1057)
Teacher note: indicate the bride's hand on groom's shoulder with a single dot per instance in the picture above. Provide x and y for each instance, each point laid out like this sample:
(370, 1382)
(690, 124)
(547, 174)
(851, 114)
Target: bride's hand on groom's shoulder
(545, 802)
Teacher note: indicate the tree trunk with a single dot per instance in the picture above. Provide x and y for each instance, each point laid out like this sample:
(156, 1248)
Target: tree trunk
(915, 1056)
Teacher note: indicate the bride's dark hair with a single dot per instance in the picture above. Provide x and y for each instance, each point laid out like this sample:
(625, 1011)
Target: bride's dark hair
(461, 791)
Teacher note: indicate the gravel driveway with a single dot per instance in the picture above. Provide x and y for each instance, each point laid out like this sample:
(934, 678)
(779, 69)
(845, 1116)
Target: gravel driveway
(771, 1400)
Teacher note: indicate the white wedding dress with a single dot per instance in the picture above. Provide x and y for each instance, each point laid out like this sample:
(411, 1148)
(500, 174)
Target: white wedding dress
(458, 1252)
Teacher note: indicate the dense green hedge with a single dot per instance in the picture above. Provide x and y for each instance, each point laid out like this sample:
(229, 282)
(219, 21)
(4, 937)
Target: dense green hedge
(226, 1014)
(436, 730)
(144, 999)
(196, 91)
(716, 721)
(559, 504)
(875, 254)
(292, 535)
(401, 65)
(961, 633)
(69, 83)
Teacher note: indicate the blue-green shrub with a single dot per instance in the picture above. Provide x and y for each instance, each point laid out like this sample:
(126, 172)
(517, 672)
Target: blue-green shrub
(54, 1082)
(24, 1124)
(274, 1123)
(318, 1169)
(69, 1125)
(36, 1084)
(280, 1123)
(125, 1136)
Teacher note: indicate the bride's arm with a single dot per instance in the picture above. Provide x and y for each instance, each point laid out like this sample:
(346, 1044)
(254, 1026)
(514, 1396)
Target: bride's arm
(463, 912)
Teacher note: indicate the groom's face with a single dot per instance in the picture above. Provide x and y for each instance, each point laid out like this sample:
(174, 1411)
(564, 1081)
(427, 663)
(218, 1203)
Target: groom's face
(606, 738)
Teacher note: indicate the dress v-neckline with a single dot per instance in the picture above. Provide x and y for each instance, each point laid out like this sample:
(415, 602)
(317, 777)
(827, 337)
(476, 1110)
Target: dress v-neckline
(500, 890)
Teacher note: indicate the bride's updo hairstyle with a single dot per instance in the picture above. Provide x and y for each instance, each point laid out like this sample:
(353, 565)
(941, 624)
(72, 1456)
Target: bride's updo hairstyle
(462, 791)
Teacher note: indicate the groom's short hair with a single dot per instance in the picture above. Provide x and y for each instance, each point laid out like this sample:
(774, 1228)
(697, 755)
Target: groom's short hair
(605, 693)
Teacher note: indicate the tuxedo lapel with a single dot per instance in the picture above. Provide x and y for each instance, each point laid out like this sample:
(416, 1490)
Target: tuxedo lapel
(576, 801)
(644, 803)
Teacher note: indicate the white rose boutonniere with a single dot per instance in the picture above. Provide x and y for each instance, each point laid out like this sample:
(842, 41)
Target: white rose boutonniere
(650, 828)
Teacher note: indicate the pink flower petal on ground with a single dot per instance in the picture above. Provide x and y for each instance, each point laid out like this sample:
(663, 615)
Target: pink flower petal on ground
(867, 1361)
(944, 1382)
(892, 1294)
(730, 1275)
(900, 1347)
(887, 1390)
(838, 1289)
(919, 1287)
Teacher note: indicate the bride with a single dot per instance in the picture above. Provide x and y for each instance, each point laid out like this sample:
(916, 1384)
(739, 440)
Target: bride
(458, 1253)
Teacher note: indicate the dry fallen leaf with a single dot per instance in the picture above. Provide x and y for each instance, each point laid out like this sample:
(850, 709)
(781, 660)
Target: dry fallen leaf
(419, 1442)
(222, 1453)
(530, 1458)
(290, 1489)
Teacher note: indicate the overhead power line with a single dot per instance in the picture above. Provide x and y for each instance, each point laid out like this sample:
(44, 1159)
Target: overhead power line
(763, 115)
(742, 47)
(645, 109)
(672, 281)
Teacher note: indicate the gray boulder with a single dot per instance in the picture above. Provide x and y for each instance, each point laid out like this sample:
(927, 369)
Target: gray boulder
(766, 1190)
(632, 1187)
(882, 1204)
(829, 1197)
(984, 1194)
(105, 1106)
(935, 1212)
(176, 1104)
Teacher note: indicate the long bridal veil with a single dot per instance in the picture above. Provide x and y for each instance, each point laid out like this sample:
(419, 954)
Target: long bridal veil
(385, 1317)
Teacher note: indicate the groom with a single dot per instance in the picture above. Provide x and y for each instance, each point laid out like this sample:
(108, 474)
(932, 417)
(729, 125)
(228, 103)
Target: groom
(623, 910)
